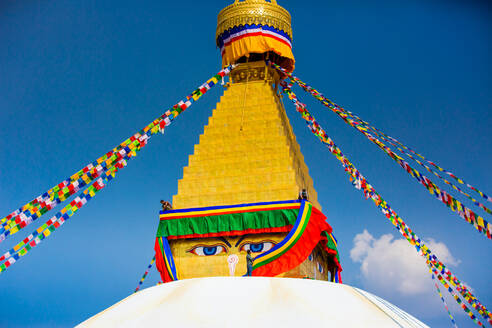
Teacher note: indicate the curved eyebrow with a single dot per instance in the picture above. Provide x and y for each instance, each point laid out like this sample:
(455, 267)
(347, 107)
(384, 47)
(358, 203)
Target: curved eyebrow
(225, 241)
(240, 240)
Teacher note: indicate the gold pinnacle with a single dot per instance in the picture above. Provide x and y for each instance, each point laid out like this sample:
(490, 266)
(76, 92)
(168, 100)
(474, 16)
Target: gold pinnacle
(257, 12)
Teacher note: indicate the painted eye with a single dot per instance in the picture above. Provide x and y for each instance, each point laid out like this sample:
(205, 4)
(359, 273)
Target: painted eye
(320, 268)
(207, 250)
(257, 247)
(310, 257)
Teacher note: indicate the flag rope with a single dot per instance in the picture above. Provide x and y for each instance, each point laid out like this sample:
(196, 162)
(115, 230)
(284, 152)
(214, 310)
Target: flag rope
(440, 295)
(336, 108)
(28, 213)
(103, 173)
(145, 274)
(479, 223)
(456, 297)
(57, 220)
(361, 183)
(22, 224)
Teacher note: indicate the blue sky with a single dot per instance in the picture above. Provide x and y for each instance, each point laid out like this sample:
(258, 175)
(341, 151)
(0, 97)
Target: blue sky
(77, 78)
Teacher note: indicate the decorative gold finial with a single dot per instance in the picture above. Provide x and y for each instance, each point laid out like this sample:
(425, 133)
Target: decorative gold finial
(258, 12)
(255, 30)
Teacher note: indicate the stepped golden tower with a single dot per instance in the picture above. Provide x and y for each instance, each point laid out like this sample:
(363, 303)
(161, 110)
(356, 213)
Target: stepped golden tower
(248, 152)
(246, 188)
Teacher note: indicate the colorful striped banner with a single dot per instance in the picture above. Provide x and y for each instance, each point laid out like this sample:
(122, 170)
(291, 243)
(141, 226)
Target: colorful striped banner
(165, 261)
(243, 40)
(239, 32)
(292, 238)
(332, 243)
(309, 230)
(361, 183)
(228, 220)
(228, 209)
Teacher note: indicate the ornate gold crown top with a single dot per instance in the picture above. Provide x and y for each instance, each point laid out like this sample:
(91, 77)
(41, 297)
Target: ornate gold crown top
(254, 12)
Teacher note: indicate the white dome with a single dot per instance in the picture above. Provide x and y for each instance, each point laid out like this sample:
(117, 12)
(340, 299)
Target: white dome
(252, 302)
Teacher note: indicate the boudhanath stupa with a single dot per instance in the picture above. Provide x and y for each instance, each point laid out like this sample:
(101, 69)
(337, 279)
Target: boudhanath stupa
(247, 188)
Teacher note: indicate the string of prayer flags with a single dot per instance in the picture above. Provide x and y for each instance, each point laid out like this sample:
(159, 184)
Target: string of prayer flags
(407, 151)
(145, 274)
(104, 171)
(456, 297)
(73, 187)
(335, 107)
(31, 211)
(89, 174)
(440, 295)
(69, 186)
(459, 180)
(460, 287)
(456, 206)
(361, 183)
(107, 174)
(58, 220)
(475, 202)
(464, 212)
(389, 139)
(364, 126)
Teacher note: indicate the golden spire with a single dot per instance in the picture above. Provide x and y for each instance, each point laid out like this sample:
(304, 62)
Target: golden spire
(257, 12)
(253, 30)
(248, 152)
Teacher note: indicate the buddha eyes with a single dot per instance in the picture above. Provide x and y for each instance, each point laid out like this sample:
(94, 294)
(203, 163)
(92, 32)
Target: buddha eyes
(207, 250)
(257, 247)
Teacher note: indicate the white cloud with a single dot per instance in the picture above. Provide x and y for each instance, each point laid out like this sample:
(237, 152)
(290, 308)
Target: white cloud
(393, 265)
